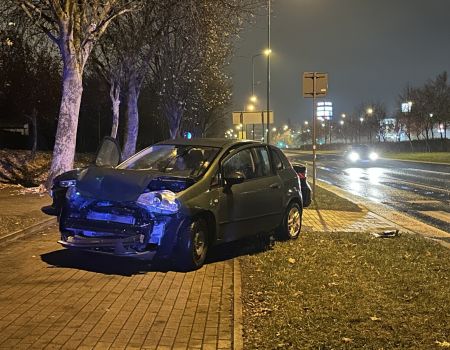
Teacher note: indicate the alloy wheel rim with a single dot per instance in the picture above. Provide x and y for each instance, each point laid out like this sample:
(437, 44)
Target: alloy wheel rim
(294, 222)
(199, 244)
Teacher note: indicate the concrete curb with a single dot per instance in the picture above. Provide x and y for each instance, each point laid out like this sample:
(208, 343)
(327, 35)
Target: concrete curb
(238, 342)
(27, 230)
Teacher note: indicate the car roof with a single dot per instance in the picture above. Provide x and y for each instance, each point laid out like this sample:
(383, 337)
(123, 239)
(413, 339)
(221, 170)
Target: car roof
(208, 142)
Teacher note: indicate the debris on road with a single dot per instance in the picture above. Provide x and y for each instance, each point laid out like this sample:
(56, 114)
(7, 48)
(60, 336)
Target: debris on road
(386, 234)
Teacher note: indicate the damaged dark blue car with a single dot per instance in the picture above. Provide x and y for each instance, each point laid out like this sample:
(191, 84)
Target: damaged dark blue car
(178, 198)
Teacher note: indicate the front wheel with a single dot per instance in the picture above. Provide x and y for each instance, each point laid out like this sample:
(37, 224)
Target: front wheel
(292, 222)
(192, 245)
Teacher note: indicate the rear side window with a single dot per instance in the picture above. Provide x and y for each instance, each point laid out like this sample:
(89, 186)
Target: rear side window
(277, 162)
(284, 160)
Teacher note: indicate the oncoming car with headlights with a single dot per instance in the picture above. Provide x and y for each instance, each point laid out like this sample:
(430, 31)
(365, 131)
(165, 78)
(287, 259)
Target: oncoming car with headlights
(360, 153)
(177, 198)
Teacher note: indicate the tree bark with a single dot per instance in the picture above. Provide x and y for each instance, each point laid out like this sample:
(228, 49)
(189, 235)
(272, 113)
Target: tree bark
(132, 119)
(114, 93)
(174, 115)
(66, 133)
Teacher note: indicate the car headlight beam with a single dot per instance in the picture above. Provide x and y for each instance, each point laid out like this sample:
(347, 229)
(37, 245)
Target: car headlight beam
(353, 156)
(162, 202)
(373, 156)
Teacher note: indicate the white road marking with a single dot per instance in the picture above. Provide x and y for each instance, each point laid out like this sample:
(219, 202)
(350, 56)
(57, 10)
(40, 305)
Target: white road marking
(440, 215)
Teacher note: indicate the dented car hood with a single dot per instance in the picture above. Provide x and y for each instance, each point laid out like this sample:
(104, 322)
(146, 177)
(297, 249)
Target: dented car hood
(126, 185)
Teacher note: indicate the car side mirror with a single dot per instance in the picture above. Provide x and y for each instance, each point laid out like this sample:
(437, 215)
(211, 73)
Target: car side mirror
(234, 178)
(108, 154)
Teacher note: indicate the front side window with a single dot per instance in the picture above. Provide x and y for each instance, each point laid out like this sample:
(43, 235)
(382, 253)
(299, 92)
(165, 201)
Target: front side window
(240, 162)
(177, 160)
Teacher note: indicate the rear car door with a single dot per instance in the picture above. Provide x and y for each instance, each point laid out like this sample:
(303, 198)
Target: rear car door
(254, 205)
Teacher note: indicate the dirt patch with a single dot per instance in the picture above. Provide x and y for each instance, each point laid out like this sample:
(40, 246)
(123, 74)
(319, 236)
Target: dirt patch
(18, 167)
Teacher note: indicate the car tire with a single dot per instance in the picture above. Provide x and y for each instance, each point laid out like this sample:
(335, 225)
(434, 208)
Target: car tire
(192, 245)
(292, 222)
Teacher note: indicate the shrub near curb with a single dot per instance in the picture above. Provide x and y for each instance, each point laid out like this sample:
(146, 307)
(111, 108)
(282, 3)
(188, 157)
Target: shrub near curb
(344, 290)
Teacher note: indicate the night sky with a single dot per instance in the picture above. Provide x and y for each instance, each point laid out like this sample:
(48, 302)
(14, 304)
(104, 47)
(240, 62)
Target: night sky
(370, 48)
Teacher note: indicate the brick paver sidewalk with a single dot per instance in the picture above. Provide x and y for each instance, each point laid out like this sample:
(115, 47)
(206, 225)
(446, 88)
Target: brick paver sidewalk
(343, 221)
(54, 298)
(51, 299)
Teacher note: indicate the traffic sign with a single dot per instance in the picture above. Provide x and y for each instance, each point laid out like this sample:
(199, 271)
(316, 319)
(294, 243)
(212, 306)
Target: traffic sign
(317, 80)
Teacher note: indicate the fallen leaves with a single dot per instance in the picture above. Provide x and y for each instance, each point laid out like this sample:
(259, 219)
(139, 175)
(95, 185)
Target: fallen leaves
(443, 344)
(291, 261)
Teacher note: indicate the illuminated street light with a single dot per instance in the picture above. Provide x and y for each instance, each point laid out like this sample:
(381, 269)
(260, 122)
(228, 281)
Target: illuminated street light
(253, 98)
(306, 122)
(285, 127)
(431, 115)
(369, 111)
(361, 119)
(343, 115)
(341, 122)
(250, 107)
(274, 129)
(267, 52)
(323, 125)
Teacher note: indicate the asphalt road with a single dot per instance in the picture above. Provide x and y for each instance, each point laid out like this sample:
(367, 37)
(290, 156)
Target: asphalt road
(421, 190)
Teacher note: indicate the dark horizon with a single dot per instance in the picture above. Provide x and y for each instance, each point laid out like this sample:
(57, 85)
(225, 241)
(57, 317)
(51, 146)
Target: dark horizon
(371, 51)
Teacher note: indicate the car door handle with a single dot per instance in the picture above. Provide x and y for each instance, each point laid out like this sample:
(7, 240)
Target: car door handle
(275, 186)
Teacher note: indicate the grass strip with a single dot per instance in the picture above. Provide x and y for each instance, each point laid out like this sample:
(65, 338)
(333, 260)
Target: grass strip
(327, 200)
(434, 157)
(347, 291)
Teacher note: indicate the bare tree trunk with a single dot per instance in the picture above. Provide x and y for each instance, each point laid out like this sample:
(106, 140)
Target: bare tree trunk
(33, 120)
(132, 119)
(66, 133)
(114, 93)
(410, 141)
(174, 116)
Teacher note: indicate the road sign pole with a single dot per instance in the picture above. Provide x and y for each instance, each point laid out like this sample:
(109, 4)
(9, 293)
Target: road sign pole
(314, 138)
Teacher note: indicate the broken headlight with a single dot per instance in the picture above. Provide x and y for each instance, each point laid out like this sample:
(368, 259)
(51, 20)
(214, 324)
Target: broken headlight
(162, 202)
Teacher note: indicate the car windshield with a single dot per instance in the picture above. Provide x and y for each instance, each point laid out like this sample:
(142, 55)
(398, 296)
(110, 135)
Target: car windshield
(177, 160)
(360, 148)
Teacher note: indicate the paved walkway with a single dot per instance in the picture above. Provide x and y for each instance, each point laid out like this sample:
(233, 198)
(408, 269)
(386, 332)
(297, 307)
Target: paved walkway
(344, 221)
(53, 298)
(20, 208)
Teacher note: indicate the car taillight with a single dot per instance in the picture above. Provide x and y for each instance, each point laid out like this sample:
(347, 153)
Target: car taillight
(301, 176)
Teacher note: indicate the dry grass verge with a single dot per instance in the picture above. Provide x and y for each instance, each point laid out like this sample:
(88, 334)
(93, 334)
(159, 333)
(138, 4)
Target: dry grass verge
(347, 291)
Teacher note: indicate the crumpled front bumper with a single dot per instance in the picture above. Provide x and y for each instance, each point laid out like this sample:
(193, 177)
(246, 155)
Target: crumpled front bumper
(113, 246)
(141, 239)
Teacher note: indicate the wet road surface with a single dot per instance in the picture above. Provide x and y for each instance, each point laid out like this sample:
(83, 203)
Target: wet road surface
(421, 190)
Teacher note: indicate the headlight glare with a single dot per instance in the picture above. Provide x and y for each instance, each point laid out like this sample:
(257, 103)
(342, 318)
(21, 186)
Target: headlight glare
(353, 156)
(162, 202)
(373, 156)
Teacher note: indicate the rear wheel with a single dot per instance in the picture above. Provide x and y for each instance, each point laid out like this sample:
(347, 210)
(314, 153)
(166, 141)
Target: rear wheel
(192, 246)
(292, 222)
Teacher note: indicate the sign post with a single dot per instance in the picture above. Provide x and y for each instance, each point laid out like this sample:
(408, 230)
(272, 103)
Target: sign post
(315, 85)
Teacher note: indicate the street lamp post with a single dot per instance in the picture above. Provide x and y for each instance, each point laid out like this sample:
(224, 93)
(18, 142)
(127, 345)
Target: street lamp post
(369, 112)
(268, 69)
